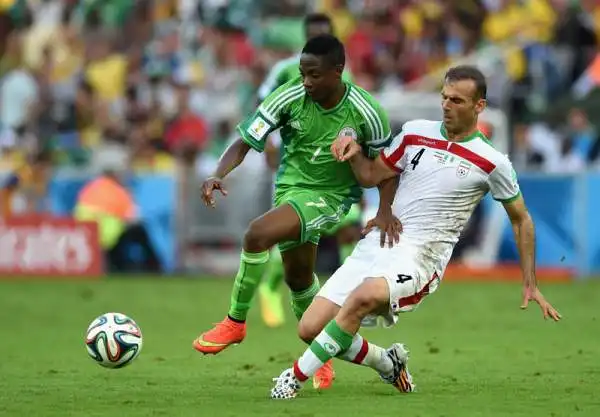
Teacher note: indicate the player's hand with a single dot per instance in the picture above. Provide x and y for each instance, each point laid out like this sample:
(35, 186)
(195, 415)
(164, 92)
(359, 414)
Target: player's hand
(389, 227)
(534, 294)
(344, 148)
(208, 187)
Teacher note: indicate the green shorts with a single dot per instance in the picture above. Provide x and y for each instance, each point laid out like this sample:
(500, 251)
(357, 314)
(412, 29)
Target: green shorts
(353, 218)
(318, 211)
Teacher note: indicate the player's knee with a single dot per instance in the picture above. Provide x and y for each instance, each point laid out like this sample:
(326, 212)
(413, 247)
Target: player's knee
(308, 330)
(257, 237)
(368, 297)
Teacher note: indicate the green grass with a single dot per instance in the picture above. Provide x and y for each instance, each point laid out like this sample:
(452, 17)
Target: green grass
(474, 353)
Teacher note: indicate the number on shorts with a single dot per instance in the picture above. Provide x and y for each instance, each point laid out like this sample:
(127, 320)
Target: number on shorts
(403, 278)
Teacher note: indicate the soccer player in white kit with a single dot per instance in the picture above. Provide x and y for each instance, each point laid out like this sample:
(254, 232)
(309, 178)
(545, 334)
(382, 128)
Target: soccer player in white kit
(445, 168)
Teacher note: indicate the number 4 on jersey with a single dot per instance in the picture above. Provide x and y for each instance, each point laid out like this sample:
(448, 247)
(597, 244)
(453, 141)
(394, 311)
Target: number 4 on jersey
(415, 160)
(403, 278)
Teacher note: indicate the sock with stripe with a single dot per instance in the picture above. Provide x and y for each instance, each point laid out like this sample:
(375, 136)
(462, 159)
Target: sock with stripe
(275, 271)
(328, 344)
(364, 353)
(252, 268)
(302, 299)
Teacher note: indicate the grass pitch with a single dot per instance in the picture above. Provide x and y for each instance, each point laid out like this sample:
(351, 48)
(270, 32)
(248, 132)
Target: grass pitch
(474, 353)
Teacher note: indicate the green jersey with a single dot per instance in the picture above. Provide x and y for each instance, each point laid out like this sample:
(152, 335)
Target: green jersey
(283, 72)
(307, 132)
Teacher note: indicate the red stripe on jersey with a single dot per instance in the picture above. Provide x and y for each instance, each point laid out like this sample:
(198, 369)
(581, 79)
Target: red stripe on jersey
(417, 140)
(414, 140)
(389, 162)
(298, 373)
(362, 353)
(417, 297)
(472, 157)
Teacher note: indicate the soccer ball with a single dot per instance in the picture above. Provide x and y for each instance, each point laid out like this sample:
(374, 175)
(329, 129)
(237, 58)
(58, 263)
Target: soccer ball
(113, 340)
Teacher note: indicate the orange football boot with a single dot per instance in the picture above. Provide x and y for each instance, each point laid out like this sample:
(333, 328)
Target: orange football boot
(323, 378)
(223, 335)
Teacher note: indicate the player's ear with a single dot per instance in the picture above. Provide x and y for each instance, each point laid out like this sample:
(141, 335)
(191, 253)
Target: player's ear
(480, 105)
(339, 70)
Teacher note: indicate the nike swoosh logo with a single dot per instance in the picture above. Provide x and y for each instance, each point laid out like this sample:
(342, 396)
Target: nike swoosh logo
(202, 342)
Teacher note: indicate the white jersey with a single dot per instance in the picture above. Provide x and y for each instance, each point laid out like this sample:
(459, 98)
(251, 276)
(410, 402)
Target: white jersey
(441, 183)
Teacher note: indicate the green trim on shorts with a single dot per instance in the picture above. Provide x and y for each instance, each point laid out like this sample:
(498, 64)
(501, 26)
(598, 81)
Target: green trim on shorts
(293, 244)
(298, 210)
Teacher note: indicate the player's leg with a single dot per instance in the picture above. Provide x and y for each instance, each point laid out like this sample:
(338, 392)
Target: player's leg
(298, 262)
(360, 352)
(348, 232)
(271, 302)
(339, 338)
(279, 224)
(360, 297)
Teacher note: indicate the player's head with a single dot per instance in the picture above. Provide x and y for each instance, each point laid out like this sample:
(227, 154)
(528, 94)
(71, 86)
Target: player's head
(321, 65)
(463, 97)
(316, 24)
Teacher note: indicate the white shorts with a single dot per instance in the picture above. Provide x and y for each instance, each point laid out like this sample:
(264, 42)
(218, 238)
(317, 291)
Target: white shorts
(409, 273)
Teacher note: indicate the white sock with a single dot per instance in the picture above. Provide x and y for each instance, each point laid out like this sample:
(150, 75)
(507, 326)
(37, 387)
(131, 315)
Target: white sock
(364, 353)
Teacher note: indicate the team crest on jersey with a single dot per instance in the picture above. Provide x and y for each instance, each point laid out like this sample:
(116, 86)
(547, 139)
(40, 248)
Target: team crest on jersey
(259, 128)
(348, 131)
(463, 169)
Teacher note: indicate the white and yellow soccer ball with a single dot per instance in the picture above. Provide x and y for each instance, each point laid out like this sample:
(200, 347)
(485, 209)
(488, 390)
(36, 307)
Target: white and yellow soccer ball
(113, 340)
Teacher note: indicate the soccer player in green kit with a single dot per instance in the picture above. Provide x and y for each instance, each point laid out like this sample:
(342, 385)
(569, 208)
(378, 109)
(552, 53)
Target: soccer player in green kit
(313, 191)
(347, 231)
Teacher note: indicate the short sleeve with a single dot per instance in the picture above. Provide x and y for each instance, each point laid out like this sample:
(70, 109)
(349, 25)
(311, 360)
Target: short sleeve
(503, 182)
(375, 120)
(393, 155)
(269, 116)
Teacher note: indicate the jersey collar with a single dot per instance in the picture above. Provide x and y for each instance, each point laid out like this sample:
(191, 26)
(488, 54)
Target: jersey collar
(474, 135)
(337, 106)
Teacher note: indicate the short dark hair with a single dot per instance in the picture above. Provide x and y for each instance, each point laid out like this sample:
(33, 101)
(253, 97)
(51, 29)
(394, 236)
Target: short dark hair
(468, 72)
(317, 18)
(328, 47)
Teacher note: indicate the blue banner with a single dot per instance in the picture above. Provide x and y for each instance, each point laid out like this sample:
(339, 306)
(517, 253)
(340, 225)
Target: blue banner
(562, 207)
(155, 196)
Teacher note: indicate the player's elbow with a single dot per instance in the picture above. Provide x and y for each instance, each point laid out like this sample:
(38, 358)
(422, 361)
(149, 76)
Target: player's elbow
(241, 147)
(367, 179)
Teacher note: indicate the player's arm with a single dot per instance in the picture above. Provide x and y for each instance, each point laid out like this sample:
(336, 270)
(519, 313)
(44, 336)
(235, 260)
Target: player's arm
(505, 188)
(272, 154)
(524, 232)
(370, 172)
(253, 134)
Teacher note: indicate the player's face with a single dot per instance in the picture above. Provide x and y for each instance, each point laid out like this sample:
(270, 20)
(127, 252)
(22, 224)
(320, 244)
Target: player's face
(317, 29)
(460, 105)
(319, 78)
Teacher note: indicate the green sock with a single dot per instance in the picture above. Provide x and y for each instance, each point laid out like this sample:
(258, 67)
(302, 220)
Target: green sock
(331, 342)
(302, 299)
(345, 251)
(275, 271)
(252, 268)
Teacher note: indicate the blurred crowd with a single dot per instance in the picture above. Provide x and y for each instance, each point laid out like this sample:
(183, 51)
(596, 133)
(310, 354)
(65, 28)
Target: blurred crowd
(167, 80)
